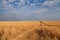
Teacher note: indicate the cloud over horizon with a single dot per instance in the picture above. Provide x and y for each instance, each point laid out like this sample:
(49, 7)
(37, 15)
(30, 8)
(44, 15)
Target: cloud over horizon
(29, 10)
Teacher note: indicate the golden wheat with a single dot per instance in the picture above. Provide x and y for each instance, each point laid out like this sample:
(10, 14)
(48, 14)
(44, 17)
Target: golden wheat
(30, 30)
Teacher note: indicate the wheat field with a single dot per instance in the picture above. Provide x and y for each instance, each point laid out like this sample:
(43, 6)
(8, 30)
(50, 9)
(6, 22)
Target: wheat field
(30, 30)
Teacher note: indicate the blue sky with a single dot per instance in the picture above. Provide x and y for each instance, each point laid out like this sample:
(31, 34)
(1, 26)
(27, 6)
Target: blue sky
(14, 10)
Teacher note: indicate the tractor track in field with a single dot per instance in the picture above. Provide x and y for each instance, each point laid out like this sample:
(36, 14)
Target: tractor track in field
(41, 25)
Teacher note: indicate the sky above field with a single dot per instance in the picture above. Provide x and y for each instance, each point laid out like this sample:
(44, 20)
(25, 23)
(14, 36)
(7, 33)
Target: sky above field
(13, 10)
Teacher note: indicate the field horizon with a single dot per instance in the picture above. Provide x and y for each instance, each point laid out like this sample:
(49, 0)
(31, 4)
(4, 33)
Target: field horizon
(29, 30)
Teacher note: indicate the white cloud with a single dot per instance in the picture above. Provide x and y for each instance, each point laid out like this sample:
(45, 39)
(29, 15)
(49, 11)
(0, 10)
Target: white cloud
(11, 1)
(27, 11)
